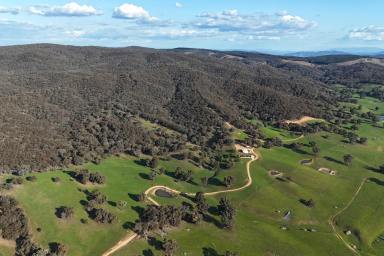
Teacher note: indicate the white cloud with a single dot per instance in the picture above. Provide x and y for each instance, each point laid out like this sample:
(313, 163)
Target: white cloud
(295, 21)
(179, 5)
(177, 33)
(370, 33)
(9, 10)
(77, 33)
(70, 9)
(132, 12)
(259, 26)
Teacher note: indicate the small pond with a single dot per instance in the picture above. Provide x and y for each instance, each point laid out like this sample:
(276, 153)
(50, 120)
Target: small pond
(163, 193)
(306, 161)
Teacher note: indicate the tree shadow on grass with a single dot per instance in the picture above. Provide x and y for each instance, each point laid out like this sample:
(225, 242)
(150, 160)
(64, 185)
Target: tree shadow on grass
(175, 179)
(331, 159)
(213, 210)
(141, 162)
(148, 252)
(83, 202)
(209, 219)
(296, 150)
(186, 204)
(373, 169)
(215, 182)
(144, 176)
(377, 181)
(111, 203)
(178, 156)
(134, 197)
(138, 209)
(71, 174)
(157, 244)
(128, 225)
(191, 198)
(209, 251)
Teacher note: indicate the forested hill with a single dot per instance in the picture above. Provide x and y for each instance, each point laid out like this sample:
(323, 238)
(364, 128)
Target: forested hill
(63, 104)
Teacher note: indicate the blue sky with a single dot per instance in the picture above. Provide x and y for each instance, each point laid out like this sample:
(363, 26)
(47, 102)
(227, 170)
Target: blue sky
(282, 25)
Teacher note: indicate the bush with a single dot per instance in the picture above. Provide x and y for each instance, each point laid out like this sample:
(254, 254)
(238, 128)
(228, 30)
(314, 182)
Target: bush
(64, 212)
(56, 179)
(102, 216)
(31, 178)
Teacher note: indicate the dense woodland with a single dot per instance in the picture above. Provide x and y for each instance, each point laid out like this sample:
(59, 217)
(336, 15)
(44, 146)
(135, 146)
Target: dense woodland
(63, 104)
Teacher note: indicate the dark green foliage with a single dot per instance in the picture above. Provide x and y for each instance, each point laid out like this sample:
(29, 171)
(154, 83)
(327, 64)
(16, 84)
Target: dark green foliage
(83, 176)
(83, 103)
(227, 213)
(347, 159)
(169, 247)
(31, 178)
(102, 216)
(65, 212)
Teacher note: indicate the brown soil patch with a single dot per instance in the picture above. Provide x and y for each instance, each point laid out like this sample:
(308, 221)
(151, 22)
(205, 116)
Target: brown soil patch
(375, 61)
(303, 120)
(275, 174)
(327, 171)
(300, 62)
(7, 243)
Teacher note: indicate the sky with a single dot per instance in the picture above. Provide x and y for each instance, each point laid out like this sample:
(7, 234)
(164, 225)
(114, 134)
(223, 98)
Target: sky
(276, 25)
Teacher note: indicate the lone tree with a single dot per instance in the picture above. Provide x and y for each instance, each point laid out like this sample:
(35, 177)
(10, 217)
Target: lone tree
(56, 179)
(96, 197)
(348, 159)
(58, 249)
(201, 204)
(228, 181)
(169, 247)
(152, 175)
(227, 212)
(363, 140)
(315, 150)
(31, 178)
(102, 216)
(64, 212)
(153, 163)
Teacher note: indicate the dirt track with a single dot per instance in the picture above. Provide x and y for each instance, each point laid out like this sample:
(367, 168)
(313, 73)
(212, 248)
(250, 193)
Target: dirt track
(150, 191)
(301, 121)
(331, 220)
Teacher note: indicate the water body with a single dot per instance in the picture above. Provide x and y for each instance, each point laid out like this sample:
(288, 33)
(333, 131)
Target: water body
(163, 193)
(306, 161)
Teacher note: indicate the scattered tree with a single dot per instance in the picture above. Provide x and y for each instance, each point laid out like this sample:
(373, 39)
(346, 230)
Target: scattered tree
(65, 212)
(348, 159)
(228, 181)
(170, 247)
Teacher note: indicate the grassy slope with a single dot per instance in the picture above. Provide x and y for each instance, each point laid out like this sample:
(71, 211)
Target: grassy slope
(6, 251)
(124, 176)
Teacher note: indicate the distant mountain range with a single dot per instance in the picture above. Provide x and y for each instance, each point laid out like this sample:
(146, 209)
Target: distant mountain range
(364, 51)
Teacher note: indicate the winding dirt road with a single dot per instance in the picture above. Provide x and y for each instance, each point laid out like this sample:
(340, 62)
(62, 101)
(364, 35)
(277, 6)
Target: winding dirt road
(151, 191)
(331, 220)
